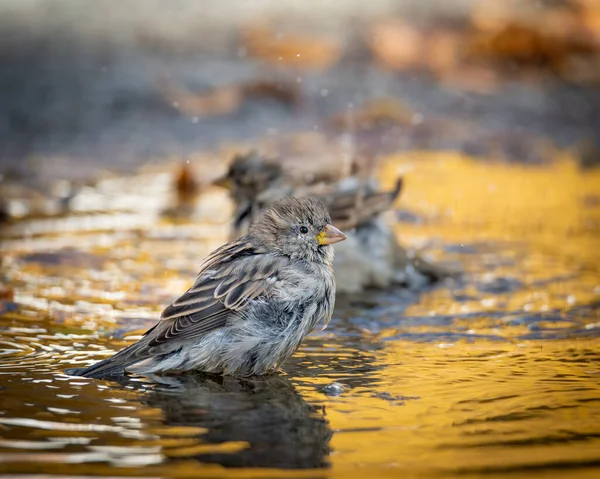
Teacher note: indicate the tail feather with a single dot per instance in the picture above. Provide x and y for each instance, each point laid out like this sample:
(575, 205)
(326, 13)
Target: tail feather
(99, 370)
(347, 213)
(115, 365)
(75, 371)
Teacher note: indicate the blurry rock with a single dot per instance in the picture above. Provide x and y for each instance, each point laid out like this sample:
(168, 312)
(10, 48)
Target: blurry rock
(279, 44)
(186, 185)
(560, 37)
(519, 44)
(283, 92)
(218, 101)
(186, 191)
(375, 112)
(185, 188)
(225, 100)
(397, 45)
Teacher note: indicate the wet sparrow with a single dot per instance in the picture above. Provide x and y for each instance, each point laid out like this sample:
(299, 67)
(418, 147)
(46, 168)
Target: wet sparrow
(253, 302)
(371, 257)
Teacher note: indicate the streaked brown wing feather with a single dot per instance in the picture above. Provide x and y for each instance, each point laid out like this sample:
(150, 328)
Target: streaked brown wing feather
(230, 277)
(348, 210)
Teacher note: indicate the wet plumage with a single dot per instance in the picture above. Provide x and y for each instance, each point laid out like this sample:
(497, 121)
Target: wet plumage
(253, 302)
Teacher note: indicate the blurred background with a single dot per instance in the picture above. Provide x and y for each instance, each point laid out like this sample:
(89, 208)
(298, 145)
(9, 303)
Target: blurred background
(116, 117)
(115, 87)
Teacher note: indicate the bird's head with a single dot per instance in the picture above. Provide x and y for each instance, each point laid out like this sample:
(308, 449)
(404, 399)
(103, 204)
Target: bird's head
(299, 228)
(249, 175)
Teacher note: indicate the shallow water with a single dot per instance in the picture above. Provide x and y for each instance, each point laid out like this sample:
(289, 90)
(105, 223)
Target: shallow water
(493, 373)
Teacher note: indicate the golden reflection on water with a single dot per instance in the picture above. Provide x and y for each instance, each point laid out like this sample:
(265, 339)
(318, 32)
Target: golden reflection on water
(472, 407)
(537, 225)
(496, 373)
(555, 206)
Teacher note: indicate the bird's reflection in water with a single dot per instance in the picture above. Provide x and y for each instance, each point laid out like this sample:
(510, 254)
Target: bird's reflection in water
(282, 430)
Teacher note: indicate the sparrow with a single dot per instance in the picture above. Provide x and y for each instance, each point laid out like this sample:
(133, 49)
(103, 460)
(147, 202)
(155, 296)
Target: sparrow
(254, 182)
(252, 304)
(370, 258)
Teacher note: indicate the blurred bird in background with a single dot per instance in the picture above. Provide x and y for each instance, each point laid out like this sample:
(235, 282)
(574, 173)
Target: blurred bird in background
(371, 257)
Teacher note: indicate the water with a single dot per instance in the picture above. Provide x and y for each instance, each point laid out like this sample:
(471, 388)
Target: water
(495, 373)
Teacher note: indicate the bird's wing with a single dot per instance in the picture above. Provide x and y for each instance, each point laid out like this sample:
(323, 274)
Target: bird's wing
(349, 209)
(229, 279)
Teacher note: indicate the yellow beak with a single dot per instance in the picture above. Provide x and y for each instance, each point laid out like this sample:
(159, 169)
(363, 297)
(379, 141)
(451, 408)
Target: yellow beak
(223, 182)
(330, 235)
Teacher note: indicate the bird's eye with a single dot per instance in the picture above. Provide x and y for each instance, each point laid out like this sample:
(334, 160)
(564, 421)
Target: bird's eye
(303, 230)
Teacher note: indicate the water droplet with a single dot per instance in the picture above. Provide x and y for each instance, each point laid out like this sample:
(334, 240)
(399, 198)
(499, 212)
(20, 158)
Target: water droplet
(334, 389)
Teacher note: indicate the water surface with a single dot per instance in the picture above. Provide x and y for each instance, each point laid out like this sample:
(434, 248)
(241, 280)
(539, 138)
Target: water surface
(494, 373)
